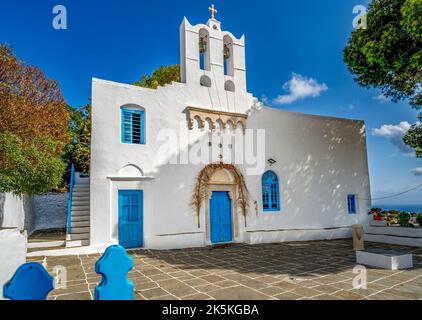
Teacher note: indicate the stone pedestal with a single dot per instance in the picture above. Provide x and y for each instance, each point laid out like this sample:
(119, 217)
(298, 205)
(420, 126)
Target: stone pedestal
(357, 232)
(386, 259)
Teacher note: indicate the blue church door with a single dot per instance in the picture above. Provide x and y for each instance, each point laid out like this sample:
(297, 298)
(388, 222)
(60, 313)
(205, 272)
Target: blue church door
(131, 218)
(221, 217)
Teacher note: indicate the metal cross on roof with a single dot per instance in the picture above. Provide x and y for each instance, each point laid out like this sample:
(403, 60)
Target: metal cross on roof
(213, 11)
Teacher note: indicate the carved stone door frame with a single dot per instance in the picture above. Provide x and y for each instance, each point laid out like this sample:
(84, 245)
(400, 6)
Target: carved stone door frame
(231, 188)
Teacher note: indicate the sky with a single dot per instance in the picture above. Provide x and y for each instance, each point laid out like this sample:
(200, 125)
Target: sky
(293, 57)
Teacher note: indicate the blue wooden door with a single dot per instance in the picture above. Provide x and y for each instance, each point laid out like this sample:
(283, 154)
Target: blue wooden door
(131, 218)
(221, 217)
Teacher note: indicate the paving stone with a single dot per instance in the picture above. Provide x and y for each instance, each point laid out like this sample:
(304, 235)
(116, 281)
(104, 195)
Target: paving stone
(212, 278)
(267, 279)
(152, 293)
(166, 297)
(75, 296)
(272, 291)
(237, 293)
(226, 283)
(325, 297)
(70, 289)
(195, 282)
(177, 288)
(197, 296)
(285, 285)
(207, 288)
(288, 296)
(327, 288)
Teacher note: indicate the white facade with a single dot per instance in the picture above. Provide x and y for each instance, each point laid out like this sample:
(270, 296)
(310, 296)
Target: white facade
(319, 160)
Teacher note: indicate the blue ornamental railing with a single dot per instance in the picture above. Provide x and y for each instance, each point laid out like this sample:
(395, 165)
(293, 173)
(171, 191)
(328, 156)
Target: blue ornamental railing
(69, 200)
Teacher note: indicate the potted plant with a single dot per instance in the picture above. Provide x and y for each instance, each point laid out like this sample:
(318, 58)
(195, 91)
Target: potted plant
(419, 219)
(392, 218)
(404, 219)
(376, 214)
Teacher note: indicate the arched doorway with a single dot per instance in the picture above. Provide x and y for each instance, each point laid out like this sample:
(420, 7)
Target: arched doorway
(221, 189)
(221, 217)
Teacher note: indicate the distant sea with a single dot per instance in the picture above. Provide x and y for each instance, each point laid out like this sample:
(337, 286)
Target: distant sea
(414, 208)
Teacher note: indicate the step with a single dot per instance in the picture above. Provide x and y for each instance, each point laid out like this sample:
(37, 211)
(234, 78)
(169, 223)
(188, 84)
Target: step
(45, 244)
(80, 208)
(80, 218)
(79, 213)
(77, 202)
(81, 186)
(75, 224)
(79, 230)
(79, 236)
(82, 182)
(81, 197)
(76, 243)
(82, 193)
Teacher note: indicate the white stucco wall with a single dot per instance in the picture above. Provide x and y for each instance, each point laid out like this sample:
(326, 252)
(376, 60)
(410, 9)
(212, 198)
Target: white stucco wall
(16, 212)
(50, 210)
(30, 213)
(13, 244)
(320, 160)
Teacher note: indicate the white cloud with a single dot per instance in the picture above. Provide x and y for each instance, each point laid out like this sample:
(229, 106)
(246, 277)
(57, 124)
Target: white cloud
(382, 98)
(299, 87)
(395, 134)
(417, 171)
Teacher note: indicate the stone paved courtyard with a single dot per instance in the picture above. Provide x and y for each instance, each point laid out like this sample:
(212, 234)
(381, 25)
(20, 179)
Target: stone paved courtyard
(301, 270)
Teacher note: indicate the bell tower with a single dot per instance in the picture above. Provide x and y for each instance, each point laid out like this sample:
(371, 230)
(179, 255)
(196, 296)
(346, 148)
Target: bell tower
(212, 58)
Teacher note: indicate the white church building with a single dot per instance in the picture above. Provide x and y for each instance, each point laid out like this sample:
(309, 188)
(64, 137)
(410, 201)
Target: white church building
(202, 162)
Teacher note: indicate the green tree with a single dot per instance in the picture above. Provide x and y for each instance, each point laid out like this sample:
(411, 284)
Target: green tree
(78, 150)
(414, 137)
(388, 53)
(82, 152)
(33, 127)
(30, 167)
(160, 77)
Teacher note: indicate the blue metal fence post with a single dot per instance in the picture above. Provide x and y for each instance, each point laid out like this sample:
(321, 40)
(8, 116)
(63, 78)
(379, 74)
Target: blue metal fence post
(30, 282)
(114, 266)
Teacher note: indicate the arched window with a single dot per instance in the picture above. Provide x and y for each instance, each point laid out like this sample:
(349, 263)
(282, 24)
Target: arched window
(132, 125)
(228, 56)
(270, 192)
(204, 53)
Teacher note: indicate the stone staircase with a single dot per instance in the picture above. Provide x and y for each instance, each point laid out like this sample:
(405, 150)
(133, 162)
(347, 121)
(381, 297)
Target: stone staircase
(80, 216)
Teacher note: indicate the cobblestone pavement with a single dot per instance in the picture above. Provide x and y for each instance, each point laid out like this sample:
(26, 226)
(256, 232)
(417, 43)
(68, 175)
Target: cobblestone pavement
(297, 270)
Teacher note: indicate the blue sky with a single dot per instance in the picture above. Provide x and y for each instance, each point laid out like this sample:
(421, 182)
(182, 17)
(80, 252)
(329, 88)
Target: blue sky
(121, 40)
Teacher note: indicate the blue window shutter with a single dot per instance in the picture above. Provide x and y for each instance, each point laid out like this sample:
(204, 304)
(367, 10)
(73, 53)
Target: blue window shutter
(142, 133)
(133, 126)
(351, 203)
(270, 192)
(126, 126)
